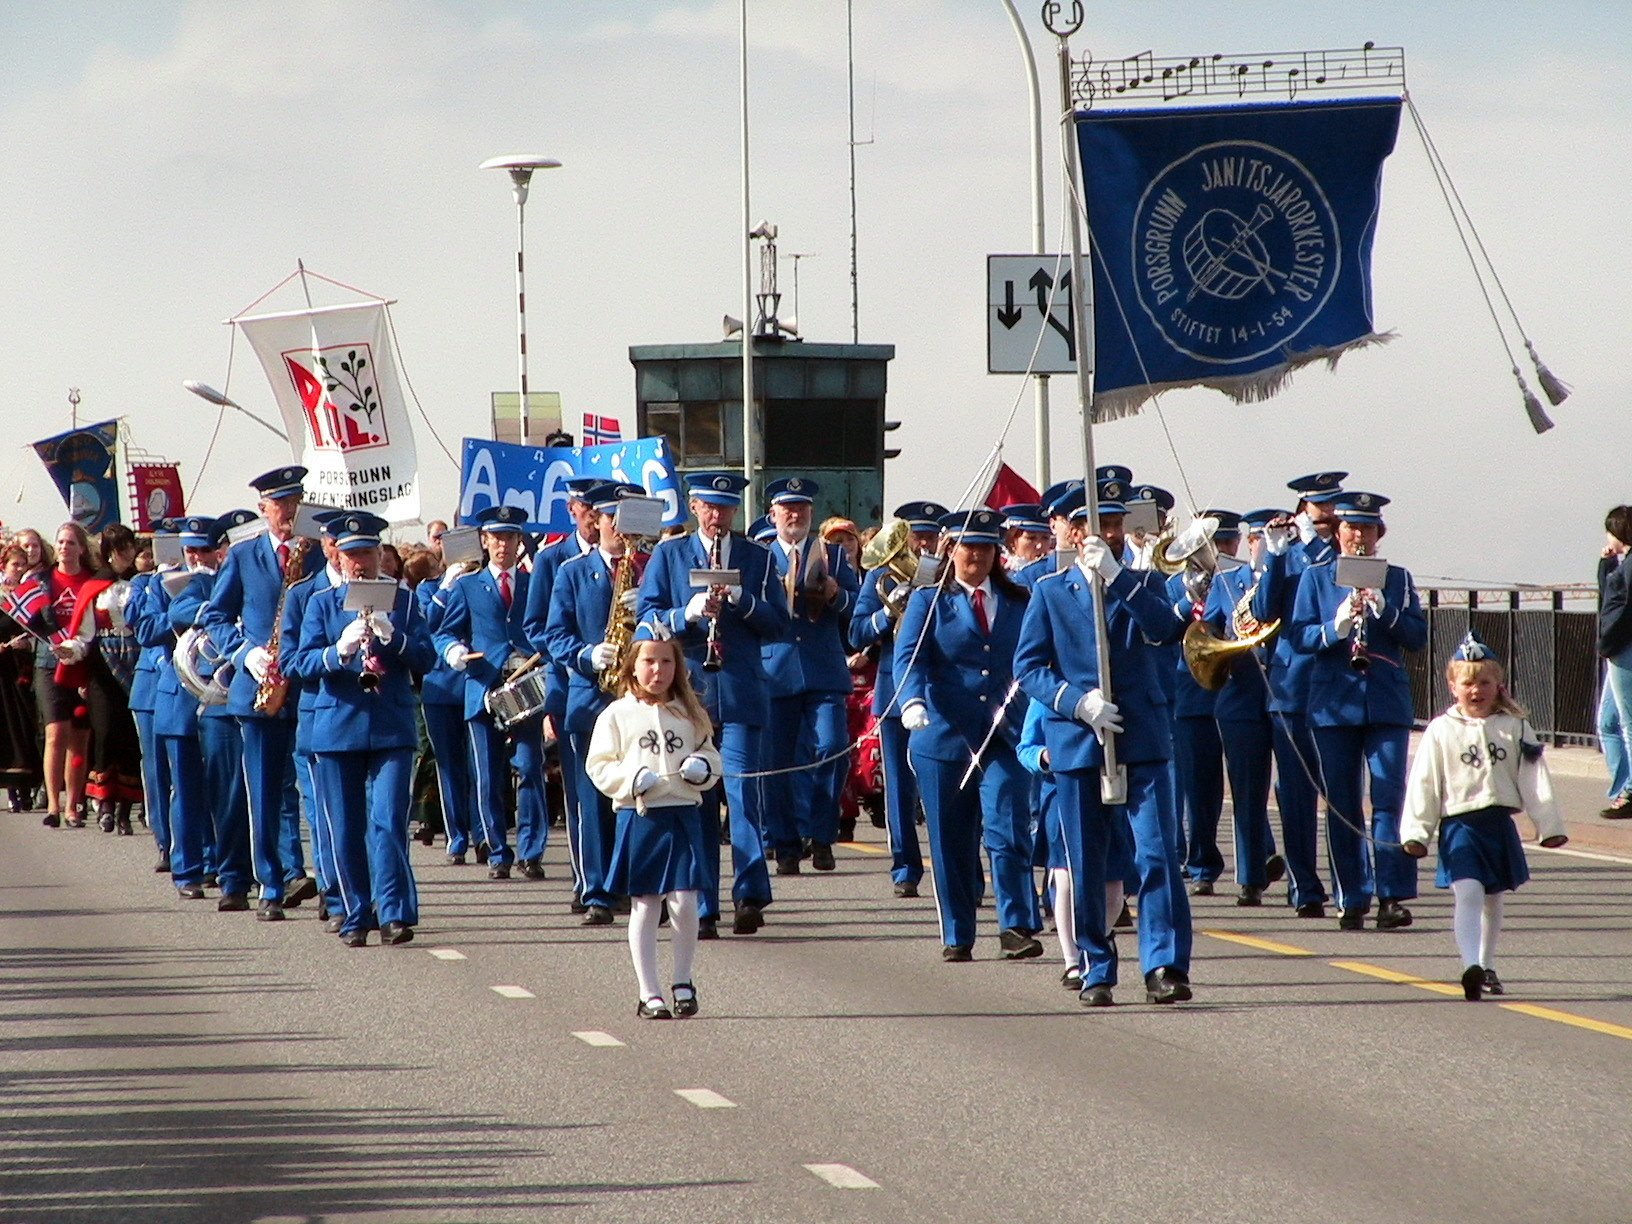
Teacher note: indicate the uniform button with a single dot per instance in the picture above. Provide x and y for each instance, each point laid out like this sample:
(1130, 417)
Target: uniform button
(985, 672)
(983, 696)
(987, 649)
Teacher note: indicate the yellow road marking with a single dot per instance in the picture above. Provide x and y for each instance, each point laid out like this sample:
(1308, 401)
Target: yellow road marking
(1263, 945)
(1562, 1017)
(1394, 975)
(864, 847)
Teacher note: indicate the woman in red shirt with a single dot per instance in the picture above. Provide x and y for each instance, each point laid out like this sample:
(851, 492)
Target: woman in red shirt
(67, 738)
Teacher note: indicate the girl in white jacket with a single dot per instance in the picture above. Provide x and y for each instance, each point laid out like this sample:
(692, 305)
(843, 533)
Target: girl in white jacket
(652, 753)
(1478, 764)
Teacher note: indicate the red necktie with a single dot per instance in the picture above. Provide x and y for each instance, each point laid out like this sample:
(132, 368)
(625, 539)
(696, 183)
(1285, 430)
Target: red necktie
(504, 588)
(979, 598)
(283, 556)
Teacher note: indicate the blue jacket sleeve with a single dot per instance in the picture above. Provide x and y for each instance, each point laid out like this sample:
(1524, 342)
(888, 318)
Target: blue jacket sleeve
(1036, 660)
(1140, 593)
(226, 606)
(561, 637)
(1032, 743)
(869, 623)
(910, 673)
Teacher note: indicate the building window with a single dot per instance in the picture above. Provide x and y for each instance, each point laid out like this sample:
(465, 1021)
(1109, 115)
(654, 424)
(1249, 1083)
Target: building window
(822, 433)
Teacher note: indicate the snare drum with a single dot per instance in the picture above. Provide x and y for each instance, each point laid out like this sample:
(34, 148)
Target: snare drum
(517, 701)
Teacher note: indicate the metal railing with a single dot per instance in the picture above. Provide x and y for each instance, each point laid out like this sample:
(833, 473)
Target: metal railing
(1546, 637)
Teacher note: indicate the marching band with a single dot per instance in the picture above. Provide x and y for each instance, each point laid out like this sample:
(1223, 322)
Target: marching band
(280, 686)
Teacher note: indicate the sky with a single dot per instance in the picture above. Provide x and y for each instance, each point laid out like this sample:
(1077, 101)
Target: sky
(167, 163)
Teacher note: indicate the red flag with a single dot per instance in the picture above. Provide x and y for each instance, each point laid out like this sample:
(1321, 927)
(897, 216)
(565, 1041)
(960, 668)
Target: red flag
(1009, 489)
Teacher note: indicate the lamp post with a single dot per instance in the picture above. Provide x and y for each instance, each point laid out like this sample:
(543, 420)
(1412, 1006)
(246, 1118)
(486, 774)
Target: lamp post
(1037, 236)
(209, 394)
(521, 167)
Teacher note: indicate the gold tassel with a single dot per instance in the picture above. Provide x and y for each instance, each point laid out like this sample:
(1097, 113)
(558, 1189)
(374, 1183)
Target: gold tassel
(1539, 420)
(1555, 388)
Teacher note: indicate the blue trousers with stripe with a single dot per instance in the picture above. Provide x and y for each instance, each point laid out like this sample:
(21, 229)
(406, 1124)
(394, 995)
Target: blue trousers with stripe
(492, 753)
(1199, 755)
(900, 803)
(1297, 766)
(363, 800)
(328, 885)
(445, 728)
(1248, 752)
(591, 826)
(155, 779)
(223, 750)
(804, 804)
(1361, 869)
(739, 746)
(190, 813)
(268, 768)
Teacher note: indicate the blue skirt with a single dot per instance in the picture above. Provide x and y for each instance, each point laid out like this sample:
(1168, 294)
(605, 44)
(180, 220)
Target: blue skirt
(658, 852)
(1483, 846)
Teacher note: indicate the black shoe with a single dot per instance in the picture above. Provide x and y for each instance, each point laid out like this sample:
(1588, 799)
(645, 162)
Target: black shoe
(121, 824)
(1311, 909)
(748, 918)
(162, 867)
(270, 911)
(1493, 984)
(1166, 986)
(622, 905)
(1201, 888)
(190, 892)
(396, 933)
(685, 1004)
(456, 860)
(805, 845)
(708, 928)
(577, 907)
(532, 869)
(104, 820)
(1391, 915)
(956, 954)
(232, 903)
(1017, 945)
(1071, 979)
(1250, 895)
(425, 835)
(499, 871)
(1096, 996)
(1275, 869)
(847, 830)
(653, 1008)
(908, 889)
(1352, 920)
(333, 923)
(1473, 982)
(302, 889)
(821, 856)
(1124, 920)
(598, 915)
(787, 864)
(354, 939)
(210, 880)
(51, 820)
(481, 854)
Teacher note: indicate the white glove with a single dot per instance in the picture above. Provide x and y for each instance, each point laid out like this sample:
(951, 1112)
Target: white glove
(384, 630)
(257, 661)
(695, 606)
(695, 770)
(1375, 603)
(1098, 714)
(457, 656)
(602, 655)
(644, 781)
(351, 638)
(453, 574)
(915, 717)
(630, 598)
(733, 594)
(1095, 558)
(71, 651)
(1306, 528)
(1278, 539)
(1343, 622)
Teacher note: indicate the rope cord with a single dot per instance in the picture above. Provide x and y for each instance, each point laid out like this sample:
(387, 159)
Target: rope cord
(396, 347)
(221, 412)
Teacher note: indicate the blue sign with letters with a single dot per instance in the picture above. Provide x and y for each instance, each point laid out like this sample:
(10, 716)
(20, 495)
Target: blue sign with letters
(534, 478)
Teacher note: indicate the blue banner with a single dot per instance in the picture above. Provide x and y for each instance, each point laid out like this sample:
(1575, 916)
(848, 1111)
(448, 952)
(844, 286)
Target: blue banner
(534, 478)
(1233, 242)
(81, 463)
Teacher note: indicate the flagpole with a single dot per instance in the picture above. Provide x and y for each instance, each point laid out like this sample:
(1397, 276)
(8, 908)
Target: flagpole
(748, 320)
(1113, 782)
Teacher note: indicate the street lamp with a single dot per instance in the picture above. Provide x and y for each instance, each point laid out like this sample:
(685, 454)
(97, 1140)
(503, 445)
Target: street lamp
(208, 393)
(521, 167)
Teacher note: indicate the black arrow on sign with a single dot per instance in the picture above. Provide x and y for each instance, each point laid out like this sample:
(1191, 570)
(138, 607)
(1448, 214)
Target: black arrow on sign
(1042, 282)
(1010, 314)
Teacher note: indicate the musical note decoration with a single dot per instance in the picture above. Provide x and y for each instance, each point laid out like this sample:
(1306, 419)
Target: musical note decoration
(1145, 79)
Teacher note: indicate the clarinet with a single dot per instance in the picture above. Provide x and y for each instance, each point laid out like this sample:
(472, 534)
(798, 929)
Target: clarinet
(1359, 657)
(713, 652)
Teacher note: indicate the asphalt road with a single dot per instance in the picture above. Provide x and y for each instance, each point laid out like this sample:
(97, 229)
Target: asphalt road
(160, 1062)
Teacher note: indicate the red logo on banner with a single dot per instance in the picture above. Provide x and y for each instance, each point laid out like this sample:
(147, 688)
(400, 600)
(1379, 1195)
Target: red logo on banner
(336, 386)
(155, 490)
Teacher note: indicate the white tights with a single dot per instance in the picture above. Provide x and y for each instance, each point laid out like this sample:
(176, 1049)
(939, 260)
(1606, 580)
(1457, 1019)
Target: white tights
(643, 916)
(1477, 921)
(1065, 916)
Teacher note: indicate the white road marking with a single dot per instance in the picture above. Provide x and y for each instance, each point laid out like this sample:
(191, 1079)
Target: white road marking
(514, 992)
(595, 1037)
(842, 1177)
(446, 954)
(1584, 854)
(704, 1098)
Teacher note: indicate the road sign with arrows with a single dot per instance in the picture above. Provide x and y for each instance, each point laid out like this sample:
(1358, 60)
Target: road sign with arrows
(1029, 305)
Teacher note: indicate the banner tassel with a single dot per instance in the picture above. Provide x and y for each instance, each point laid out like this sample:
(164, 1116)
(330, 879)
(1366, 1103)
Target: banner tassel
(1539, 420)
(1555, 388)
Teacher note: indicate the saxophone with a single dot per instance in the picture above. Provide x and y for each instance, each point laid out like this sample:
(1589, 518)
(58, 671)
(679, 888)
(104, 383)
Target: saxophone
(620, 619)
(274, 688)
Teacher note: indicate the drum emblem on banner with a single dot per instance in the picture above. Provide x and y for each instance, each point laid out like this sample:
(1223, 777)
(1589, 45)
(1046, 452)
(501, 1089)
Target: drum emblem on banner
(1236, 250)
(336, 387)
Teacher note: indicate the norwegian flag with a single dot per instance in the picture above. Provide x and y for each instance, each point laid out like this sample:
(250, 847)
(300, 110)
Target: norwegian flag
(30, 607)
(599, 430)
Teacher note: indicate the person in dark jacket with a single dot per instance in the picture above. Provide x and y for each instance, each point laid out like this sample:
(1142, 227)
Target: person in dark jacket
(1615, 648)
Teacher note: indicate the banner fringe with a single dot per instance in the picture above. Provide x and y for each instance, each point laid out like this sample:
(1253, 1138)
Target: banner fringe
(1242, 388)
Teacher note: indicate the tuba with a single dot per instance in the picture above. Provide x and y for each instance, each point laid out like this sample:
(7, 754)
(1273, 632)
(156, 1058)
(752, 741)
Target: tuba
(193, 651)
(891, 550)
(1210, 657)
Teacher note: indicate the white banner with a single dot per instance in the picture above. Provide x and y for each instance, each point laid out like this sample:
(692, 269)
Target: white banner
(332, 372)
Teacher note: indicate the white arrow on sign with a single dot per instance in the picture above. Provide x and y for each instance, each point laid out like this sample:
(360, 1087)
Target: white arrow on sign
(1027, 295)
